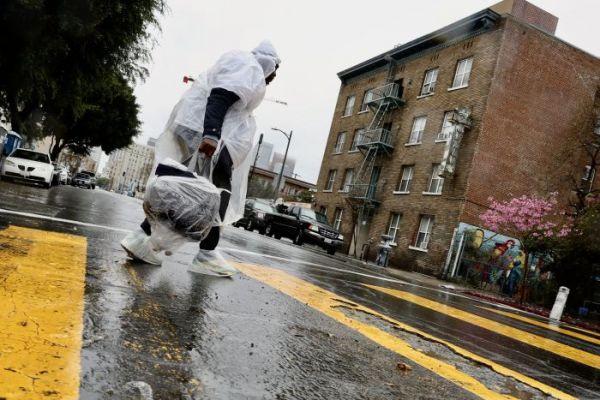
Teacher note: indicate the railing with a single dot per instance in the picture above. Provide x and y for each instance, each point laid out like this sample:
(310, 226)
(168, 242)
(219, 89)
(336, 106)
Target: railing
(389, 92)
(376, 136)
(363, 191)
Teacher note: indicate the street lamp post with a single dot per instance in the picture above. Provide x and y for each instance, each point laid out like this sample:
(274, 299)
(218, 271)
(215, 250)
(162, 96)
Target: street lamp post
(289, 138)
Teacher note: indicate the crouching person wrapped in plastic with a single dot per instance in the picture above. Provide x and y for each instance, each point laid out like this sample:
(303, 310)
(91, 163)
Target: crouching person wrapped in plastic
(213, 118)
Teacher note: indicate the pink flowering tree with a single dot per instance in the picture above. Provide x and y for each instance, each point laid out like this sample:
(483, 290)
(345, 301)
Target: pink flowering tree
(534, 220)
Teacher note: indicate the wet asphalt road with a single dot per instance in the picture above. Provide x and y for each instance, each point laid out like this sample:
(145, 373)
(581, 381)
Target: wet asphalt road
(295, 324)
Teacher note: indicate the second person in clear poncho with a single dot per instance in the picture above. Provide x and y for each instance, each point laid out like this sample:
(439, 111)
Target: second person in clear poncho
(215, 118)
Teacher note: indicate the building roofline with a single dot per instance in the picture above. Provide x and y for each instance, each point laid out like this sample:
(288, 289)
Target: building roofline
(269, 173)
(482, 20)
(551, 36)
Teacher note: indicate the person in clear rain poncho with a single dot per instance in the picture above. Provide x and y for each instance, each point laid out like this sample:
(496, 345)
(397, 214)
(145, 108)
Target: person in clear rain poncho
(214, 117)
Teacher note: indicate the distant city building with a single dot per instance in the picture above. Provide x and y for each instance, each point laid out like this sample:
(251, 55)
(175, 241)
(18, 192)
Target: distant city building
(128, 169)
(151, 142)
(264, 155)
(275, 165)
(91, 162)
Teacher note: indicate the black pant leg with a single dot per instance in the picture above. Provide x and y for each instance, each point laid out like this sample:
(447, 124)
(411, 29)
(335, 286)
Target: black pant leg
(222, 179)
(146, 227)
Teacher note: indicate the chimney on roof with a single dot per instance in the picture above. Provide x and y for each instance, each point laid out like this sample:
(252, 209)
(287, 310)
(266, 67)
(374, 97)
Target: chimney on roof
(528, 13)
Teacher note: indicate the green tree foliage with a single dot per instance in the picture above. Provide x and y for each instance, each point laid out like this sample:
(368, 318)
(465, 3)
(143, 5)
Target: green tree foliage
(102, 182)
(259, 188)
(55, 57)
(576, 262)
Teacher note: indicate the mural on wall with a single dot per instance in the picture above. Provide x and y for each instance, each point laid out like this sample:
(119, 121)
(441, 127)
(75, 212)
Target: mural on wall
(489, 258)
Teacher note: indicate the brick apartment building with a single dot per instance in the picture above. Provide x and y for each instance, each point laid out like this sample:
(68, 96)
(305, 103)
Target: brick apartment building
(425, 133)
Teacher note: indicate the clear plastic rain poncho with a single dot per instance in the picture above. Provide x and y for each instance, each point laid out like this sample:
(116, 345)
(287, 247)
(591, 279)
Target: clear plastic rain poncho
(242, 73)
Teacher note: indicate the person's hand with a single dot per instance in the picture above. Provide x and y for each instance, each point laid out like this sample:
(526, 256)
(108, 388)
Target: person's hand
(208, 146)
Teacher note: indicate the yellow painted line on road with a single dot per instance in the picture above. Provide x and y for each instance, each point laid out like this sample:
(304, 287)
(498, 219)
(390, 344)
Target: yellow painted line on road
(41, 313)
(546, 325)
(330, 304)
(528, 338)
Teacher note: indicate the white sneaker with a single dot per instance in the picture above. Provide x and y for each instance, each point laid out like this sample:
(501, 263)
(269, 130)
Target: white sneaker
(137, 245)
(211, 262)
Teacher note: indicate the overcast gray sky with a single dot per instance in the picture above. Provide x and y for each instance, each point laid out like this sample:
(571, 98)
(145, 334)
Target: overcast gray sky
(315, 40)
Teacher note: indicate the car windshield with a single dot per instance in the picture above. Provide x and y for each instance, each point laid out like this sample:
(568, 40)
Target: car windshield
(312, 215)
(263, 207)
(86, 176)
(31, 155)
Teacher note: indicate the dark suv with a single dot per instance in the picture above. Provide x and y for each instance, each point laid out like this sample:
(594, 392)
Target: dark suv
(257, 214)
(304, 225)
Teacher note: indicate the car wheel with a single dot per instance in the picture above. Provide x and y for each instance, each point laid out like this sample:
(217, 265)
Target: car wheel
(298, 240)
(261, 231)
(331, 251)
(269, 230)
(248, 226)
(47, 185)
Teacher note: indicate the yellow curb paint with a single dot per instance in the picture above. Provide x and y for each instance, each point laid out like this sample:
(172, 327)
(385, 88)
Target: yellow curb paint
(546, 325)
(329, 304)
(528, 338)
(41, 313)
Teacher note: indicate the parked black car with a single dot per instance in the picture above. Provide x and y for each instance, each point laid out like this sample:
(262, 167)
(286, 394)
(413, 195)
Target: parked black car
(304, 225)
(257, 214)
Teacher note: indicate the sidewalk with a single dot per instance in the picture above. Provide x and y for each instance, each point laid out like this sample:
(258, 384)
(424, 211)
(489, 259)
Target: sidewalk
(476, 294)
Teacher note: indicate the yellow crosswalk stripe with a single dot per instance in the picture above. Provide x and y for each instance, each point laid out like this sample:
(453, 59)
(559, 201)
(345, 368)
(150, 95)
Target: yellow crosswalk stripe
(41, 309)
(528, 338)
(329, 304)
(546, 325)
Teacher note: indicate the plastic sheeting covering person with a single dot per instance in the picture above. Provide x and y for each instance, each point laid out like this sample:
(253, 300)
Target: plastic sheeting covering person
(180, 206)
(242, 73)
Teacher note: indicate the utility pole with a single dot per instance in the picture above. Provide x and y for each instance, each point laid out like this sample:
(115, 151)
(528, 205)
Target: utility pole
(260, 139)
(289, 138)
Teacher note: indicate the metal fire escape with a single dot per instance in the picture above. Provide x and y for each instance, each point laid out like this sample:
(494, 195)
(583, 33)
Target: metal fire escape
(376, 140)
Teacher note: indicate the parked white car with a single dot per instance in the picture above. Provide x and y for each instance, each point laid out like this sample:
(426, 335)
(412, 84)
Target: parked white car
(61, 175)
(28, 165)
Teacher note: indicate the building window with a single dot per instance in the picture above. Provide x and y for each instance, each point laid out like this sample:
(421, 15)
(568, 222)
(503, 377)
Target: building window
(348, 177)
(447, 126)
(367, 97)
(436, 182)
(323, 210)
(429, 82)
(349, 106)
(331, 179)
(339, 143)
(424, 233)
(394, 226)
(416, 134)
(358, 137)
(337, 218)
(406, 179)
(463, 71)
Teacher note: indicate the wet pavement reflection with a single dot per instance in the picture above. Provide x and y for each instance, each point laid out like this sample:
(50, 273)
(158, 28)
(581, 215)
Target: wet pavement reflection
(191, 336)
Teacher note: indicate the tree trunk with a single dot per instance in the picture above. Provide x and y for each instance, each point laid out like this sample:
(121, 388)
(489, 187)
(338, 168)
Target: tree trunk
(525, 284)
(16, 123)
(56, 149)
